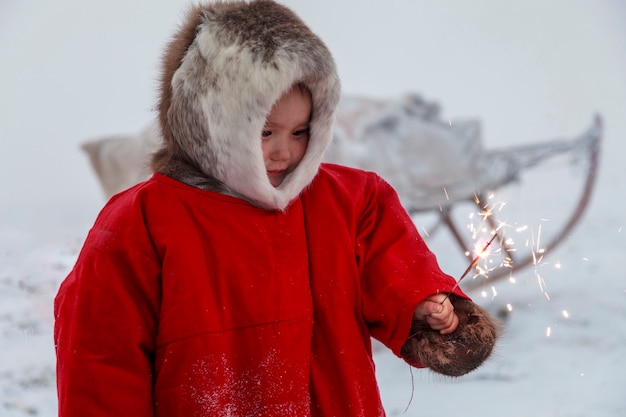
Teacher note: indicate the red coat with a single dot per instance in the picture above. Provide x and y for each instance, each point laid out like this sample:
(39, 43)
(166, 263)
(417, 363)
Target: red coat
(185, 302)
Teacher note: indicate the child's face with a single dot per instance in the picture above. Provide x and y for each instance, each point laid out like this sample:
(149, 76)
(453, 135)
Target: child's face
(286, 134)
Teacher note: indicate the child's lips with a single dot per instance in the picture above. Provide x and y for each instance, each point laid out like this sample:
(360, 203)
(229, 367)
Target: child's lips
(275, 172)
(276, 176)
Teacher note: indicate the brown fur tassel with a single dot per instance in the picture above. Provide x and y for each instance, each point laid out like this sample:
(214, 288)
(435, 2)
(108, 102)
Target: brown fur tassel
(457, 353)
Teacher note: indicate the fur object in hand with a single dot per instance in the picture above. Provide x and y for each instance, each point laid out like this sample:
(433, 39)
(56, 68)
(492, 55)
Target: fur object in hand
(457, 353)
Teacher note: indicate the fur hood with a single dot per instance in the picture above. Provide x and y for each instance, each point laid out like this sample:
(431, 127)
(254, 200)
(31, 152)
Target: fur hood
(222, 72)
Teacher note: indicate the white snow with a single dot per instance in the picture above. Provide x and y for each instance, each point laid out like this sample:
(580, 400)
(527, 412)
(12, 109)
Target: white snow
(530, 71)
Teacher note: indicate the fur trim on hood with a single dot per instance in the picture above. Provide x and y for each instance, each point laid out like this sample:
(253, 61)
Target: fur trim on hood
(222, 72)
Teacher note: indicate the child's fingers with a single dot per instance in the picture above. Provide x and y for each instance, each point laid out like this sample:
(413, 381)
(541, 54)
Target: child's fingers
(427, 308)
(445, 323)
(450, 326)
(438, 312)
(438, 304)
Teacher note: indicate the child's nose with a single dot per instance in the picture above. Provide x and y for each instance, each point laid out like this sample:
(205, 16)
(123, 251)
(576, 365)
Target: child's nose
(280, 149)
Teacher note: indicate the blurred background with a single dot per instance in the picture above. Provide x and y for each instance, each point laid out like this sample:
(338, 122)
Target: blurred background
(533, 70)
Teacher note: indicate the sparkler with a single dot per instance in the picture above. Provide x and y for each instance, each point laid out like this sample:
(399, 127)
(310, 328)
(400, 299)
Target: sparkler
(471, 266)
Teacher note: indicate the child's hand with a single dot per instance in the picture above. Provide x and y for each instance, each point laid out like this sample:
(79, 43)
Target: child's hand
(453, 341)
(438, 316)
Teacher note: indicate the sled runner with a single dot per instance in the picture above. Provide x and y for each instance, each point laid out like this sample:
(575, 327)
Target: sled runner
(439, 168)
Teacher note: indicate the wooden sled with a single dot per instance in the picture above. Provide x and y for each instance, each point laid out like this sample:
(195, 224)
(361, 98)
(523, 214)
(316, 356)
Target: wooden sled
(442, 171)
(509, 166)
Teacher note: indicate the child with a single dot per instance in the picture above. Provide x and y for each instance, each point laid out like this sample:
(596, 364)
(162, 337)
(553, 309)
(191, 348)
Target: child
(246, 278)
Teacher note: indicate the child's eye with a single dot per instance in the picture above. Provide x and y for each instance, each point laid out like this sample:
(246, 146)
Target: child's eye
(266, 133)
(301, 132)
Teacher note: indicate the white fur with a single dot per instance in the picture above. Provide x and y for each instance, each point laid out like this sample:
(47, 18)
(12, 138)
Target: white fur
(234, 112)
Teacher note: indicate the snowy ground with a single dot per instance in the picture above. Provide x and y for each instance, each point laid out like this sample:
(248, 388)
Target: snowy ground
(529, 71)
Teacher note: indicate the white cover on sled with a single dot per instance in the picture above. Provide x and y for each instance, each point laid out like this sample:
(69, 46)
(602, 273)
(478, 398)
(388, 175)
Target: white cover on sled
(428, 161)
(122, 161)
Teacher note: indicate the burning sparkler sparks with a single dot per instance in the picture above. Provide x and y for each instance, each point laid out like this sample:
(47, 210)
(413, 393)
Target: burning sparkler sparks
(487, 223)
(471, 266)
(485, 226)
